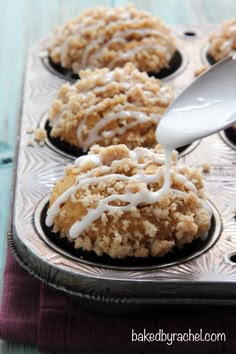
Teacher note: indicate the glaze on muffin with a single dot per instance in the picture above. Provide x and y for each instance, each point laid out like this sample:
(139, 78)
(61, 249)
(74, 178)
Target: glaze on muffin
(223, 41)
(110, 202)
(111, 37)
(109, 108)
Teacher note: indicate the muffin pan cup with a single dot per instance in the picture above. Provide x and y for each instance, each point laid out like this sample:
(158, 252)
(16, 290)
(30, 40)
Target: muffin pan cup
(229, 134)
(179, 255)
(229, 137)
(65, 149)
(209, 277)
(176, 66)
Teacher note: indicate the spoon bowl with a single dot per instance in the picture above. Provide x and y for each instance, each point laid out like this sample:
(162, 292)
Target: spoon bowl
(205, 107)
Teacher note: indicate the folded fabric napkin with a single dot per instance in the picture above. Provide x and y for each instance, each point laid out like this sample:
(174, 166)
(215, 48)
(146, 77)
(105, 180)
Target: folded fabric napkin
(34, 313)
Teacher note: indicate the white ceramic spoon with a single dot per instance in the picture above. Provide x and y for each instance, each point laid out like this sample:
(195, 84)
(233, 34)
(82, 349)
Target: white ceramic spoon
(203, 108)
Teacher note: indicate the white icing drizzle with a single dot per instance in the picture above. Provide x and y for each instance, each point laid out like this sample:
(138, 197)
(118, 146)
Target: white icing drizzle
(101, 89)
(226, 46)
(223, 41)
(129, 199)
(130, 53)
(82, 160)
(120, 37)
(121, 114)
(79, 29)
(140, 152)
(94, 133)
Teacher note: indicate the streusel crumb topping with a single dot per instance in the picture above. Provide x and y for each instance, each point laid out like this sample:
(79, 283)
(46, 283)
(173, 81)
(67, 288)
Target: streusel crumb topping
(109, 108)
(108, 202)
(110, 37)
(223, 41)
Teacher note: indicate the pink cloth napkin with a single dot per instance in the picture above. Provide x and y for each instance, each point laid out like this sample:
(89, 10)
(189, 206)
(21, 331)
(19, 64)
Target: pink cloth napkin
(36, 314)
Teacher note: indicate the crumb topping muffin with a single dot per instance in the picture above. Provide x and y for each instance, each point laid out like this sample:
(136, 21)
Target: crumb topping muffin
(109, 202)
(110, 107)
(223, 41)
(110, 37)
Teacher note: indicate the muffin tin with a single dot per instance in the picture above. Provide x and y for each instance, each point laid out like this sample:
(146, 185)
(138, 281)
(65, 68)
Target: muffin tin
(204, 274)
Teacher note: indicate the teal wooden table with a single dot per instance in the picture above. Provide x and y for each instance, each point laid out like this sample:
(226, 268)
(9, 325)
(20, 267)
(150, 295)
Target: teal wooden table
(25, 21)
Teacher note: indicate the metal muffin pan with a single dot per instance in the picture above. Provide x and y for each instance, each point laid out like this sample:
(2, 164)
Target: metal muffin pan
(206, 277)
(206, 58)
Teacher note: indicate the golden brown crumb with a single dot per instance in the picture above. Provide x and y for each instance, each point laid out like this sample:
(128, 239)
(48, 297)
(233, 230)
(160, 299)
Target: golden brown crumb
(112, 153)
(144, 229)
(206, 167)
(201, 70)
(110, 37)
(36, 136)
(40, 134)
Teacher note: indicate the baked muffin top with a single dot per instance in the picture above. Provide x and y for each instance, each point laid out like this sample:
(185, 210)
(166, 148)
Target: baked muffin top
(223, 41)
(110, 107)
(111, 202)
(110, 37)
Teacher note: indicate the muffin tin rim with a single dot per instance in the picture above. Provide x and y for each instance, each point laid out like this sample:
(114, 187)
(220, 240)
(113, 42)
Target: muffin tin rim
(104, 299)
(44, 119)
(227, 140)
(213, 239)
(203, 53)
(44, 56)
